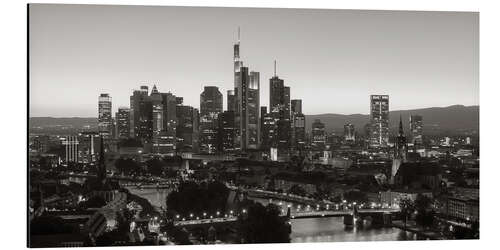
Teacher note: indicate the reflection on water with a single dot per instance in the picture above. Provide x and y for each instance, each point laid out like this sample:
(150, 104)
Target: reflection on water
(330, 229)
(333, 230)
(157, 197)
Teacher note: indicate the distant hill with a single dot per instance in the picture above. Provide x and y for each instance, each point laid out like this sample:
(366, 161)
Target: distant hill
(75, 122)
(452, 118)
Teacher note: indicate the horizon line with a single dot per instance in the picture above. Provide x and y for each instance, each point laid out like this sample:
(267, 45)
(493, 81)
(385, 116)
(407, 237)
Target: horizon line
(398, 110)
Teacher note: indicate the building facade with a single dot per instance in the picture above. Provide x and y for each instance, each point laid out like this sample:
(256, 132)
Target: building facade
(210, 108)
(416, 129)
(379, 121)
(318, 134)
(123, 122)
(104, 117)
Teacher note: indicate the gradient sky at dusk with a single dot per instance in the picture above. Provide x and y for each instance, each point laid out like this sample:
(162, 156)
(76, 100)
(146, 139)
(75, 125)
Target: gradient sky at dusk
(332, 59)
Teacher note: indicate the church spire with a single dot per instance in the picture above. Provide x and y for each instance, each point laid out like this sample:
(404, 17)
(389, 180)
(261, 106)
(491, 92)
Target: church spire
(154, 90)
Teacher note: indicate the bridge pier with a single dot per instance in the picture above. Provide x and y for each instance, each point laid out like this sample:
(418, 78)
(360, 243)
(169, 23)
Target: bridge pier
(349, 220)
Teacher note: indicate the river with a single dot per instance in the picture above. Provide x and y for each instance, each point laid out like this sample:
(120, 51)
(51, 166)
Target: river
(329, 229)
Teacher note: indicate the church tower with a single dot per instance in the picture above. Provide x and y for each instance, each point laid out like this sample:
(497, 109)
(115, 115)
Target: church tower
(400, 151)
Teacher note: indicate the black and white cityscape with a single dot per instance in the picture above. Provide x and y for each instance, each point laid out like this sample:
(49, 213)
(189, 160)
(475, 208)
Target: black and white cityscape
(240, 157)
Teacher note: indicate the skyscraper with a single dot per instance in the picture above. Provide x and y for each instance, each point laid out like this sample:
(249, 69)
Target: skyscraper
(279, 107)
(157, 111)
(298, 125)
(296, 106)
(231, 100)
(268, 130)
(238, 64)
(123, 122)
(379, 120)
(242, 109)
(318, 133)
(137, 110)
(253, 106)
(226, 132)
(105, 120)
(416, 129)
(299, 131)
(210, 108)
(186, 131)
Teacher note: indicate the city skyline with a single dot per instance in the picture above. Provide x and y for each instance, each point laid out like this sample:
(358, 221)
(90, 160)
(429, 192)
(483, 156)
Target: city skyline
(258, 52)
(206, 134)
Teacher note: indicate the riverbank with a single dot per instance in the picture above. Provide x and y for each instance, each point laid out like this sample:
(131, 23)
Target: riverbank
(423, 234)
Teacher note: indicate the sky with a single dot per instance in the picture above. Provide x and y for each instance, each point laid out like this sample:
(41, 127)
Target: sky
(332, 59)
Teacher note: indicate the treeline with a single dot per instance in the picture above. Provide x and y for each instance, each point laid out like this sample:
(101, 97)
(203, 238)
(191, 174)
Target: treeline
(198, 198)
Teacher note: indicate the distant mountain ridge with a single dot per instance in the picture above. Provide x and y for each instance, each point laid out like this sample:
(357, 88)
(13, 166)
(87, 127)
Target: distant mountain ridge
(437, 119)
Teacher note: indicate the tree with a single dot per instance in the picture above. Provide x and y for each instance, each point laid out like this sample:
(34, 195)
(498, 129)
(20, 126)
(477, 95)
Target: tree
(263, 225)
(179, 236)
(93, 202)
(191, 197)
(425, 216)
(48, 225)
(407, 207)
(155, 166)
(127, 166)
(355, 196)
(297, 190)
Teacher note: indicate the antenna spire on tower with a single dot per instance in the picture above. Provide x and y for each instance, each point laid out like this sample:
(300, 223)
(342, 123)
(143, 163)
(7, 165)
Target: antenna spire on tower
(238, 33)
(274, 67)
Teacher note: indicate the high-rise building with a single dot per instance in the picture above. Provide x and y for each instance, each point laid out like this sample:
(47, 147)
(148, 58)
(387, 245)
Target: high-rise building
(241, 115)
(145, 128)
(185, 133)
(296, 106)
(71, 147)
(253, 106)
(238, 64)
(88, 146)
(226, 132)
(105, 119)
(298, 125)
(157, 111)
(349, 133)
(279, 108)
(416, 129)
(268, 128)
(210, 108)
(379, 120)
(123, 122)
(318, 133)
(196, 130)
(299, 131)
(139, 112)
(231, 100)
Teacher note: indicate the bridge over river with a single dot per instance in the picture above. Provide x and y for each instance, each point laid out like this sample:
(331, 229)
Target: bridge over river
(350, 217)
